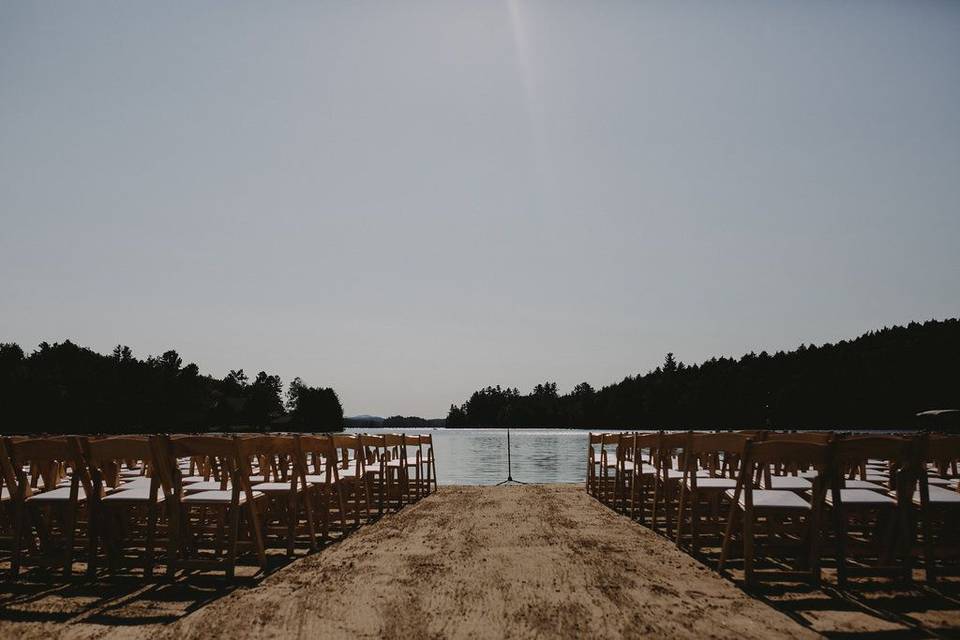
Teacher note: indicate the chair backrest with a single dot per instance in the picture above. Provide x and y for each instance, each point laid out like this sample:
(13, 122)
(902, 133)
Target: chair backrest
(670, 443)
(787, 452)
(275, 456)
(318, 455)
(816, 437)
(105, 456)
(168, 449)
(718, 452)
(349, 451)
(50, 457)
(941, 451)
(856, 449)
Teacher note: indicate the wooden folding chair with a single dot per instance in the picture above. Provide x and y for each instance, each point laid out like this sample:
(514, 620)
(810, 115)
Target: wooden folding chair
(668, 461)
(413, 466)
(607, 468)
(384, 468)
(710, 469)
(644, 475)
(123, 508)
(791, 524)
(352, 474)
(321, 482)
(429, 461)
(49, 517)
(594, 443)
(939, 506)
(287, 514)
(870, 527)
(207, 529)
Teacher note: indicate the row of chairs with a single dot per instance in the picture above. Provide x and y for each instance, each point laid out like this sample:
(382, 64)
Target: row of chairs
(198, 502)
(870, 505)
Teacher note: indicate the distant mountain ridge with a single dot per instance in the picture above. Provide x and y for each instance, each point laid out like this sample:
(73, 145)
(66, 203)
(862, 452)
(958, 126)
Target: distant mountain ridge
(393, 421)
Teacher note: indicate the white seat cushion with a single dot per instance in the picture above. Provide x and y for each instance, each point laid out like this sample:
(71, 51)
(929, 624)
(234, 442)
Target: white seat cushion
(714, 483)
(864, 484)
(771, 499)
(137, 494)
(209, 485)
(862, 497)
(61, 494)
(316, 479)
(790, 483)
(934, 481)
(348, 473)
(275, 487)
(216, 497)
(130, 483)
(939, 496)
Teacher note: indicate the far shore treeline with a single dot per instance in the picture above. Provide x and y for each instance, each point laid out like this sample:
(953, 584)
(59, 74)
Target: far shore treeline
(65, 388)
(880, 380)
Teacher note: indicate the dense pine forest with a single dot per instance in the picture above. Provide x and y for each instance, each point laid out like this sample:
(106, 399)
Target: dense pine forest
(65, 388)
(879, 380)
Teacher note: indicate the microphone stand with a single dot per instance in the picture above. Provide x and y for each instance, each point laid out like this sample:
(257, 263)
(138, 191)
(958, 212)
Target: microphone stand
(509, 479)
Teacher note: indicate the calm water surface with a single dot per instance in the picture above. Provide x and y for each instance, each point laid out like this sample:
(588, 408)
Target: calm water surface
(479, 456)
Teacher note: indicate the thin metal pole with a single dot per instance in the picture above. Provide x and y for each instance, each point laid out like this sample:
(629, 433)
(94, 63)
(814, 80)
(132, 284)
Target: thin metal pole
(509, 466)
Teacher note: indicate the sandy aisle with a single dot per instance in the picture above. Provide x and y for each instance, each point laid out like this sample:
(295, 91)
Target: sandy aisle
(533, 562)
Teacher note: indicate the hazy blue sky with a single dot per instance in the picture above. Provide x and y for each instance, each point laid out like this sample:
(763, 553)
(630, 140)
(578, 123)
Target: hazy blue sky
(411, 200)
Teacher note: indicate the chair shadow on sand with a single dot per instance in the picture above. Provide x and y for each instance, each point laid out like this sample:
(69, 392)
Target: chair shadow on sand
(119, 600)
(910, 610)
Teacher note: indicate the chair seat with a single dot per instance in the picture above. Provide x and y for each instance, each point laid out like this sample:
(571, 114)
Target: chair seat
(713, 483)
(939, 496)
(862, 497)
(348, 473)
(128, 486)
(208, 485)
(316, 478)
(864, 484)
(216, 497)
(935, 481)
(272, 487)
(771, 499)
(61, 494)
(136, 494)
(789, 483)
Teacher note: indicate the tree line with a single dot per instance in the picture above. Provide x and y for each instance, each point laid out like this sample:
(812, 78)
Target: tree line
(65, 388)
(879, 380)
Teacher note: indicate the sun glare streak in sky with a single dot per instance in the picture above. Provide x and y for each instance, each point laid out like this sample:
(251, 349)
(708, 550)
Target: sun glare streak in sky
(531, 91)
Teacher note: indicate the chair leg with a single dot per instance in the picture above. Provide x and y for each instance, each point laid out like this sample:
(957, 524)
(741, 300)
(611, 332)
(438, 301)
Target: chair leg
(683, 494)
(18, 528)
(149, 552)
(232, 537)
(748, 547)
(70, 525)
(727, 536)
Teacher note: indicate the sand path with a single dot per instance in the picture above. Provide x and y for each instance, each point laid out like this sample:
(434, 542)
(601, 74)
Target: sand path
(532, 562)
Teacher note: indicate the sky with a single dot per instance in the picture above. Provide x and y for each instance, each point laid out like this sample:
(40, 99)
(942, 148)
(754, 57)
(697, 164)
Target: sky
(410, 201)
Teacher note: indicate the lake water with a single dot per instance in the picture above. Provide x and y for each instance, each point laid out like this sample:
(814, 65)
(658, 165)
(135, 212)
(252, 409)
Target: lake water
(479, 456)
